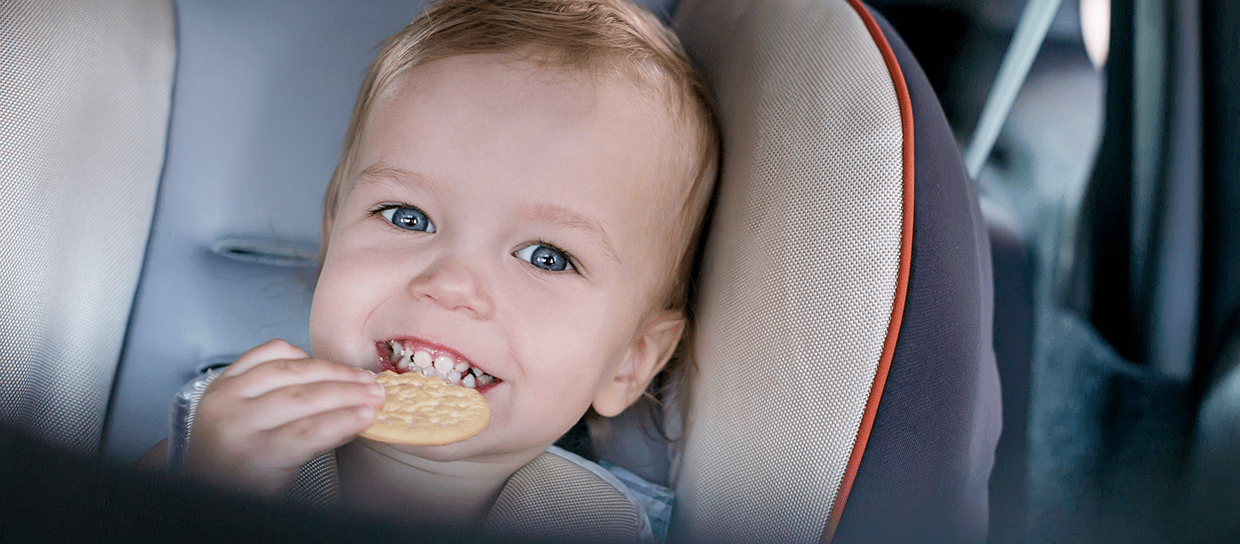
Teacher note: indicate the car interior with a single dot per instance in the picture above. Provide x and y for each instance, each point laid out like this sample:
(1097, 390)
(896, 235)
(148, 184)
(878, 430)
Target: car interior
(986, 246)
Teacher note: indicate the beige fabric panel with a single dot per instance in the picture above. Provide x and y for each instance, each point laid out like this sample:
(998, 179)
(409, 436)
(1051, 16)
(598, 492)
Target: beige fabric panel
(801, 266)
(553, 499)
(84, 97)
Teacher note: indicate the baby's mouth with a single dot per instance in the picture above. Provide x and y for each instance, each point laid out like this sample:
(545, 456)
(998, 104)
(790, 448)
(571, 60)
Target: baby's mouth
(408, 356)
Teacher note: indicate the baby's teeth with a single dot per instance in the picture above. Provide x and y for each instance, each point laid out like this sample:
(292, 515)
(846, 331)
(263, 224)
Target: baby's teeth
(422, 358)
(444, 363)
(443, 366)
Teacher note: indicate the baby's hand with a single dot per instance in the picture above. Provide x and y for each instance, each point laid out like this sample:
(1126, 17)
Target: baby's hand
(274, 410)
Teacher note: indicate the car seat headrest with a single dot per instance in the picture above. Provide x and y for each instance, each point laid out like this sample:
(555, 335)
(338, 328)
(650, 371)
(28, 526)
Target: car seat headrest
(807, 268)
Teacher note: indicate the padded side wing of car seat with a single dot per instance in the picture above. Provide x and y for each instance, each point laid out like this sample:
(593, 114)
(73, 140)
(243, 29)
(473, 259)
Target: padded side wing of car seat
(83, 123)
(925, 472)
(847, 384)
(802, 277)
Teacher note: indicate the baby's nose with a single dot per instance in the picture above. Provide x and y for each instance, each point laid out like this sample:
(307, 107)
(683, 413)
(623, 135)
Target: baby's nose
(452, 284)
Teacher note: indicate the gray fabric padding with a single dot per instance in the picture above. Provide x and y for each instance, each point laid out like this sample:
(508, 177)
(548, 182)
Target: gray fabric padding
(84, 104)
(181, 416)
(556, 499)
(318, 483)
(800, 271)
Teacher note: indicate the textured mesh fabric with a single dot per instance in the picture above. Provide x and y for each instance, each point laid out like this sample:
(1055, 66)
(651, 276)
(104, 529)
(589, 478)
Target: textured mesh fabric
(84, 98)
(554, 498)
(800, 271)
(318, 482)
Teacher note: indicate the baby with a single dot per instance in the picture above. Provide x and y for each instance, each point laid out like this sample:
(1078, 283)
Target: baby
(520, 191)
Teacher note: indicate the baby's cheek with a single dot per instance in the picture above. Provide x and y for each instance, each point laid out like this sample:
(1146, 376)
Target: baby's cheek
(319, 332)
(328, 319)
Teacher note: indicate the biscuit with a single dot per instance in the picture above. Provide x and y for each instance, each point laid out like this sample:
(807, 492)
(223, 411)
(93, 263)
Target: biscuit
(422, 411)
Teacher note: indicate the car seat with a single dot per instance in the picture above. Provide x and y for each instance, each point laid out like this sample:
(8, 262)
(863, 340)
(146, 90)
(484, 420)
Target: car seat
(848, 259)
(846, 251)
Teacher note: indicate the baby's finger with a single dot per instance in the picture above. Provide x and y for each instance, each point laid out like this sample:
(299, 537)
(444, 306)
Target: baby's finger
(301, 401)
(322, 432)
(267, 351)
(271, 375)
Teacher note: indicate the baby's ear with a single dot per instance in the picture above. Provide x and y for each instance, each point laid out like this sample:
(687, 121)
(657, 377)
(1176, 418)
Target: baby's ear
(651, 349)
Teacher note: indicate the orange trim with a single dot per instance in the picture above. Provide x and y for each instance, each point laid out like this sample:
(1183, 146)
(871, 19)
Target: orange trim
(906, 259)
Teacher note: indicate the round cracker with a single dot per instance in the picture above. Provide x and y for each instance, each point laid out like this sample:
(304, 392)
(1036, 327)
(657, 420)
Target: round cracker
(421, 411)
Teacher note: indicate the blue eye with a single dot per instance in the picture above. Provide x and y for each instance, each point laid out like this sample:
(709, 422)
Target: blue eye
(408, 218)
(545, 257)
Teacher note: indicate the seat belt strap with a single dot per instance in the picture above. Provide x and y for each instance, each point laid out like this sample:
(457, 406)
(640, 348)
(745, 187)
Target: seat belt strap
(1031, 31)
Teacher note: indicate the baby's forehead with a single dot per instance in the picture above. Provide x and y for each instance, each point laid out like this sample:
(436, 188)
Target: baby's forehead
(630, 93)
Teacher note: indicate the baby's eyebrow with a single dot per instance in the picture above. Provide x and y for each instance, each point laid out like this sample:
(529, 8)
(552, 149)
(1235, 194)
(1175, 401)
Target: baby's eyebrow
(380, 172)
(564, 217)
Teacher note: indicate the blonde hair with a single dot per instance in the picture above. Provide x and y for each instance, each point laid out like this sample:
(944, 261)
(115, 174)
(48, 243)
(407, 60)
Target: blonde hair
(599, 37)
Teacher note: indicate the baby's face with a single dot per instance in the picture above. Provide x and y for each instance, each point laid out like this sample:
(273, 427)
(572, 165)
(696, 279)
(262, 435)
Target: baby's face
(516, 219)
